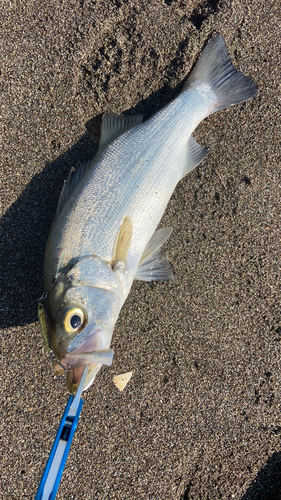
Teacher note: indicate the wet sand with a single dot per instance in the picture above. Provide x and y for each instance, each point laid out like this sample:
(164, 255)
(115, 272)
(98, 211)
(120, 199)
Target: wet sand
(201, 416)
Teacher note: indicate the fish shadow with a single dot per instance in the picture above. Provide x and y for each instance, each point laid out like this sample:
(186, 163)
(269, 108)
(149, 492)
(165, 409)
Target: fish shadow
(25, 227)
(24, 230)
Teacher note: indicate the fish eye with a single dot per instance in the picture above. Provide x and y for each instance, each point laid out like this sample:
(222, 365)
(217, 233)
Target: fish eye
(74, 320)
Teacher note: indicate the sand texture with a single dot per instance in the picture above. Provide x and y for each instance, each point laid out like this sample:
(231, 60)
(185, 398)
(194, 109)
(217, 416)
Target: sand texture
(201, 417)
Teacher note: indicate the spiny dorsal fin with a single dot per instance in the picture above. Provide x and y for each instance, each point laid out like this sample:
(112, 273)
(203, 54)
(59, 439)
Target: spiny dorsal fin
(154, 266)
(124, 239)
(114, 125)
(69, 185)
(195, 154)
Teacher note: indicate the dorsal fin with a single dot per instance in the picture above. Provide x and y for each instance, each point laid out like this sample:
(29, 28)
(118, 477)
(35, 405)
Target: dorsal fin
(114, 125)
(69, 185)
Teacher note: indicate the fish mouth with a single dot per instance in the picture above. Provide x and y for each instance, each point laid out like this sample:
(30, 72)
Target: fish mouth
(73, 377)
(93, 352)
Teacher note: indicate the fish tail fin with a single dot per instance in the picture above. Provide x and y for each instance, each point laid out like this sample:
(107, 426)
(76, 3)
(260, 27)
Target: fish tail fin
(215, 71)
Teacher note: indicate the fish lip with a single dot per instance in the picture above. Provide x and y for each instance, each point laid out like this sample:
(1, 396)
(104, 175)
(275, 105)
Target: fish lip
(64, 364)
(98, 340)
(88, 345)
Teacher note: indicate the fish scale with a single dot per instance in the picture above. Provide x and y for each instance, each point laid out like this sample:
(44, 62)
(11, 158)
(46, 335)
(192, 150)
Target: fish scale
(155, 175)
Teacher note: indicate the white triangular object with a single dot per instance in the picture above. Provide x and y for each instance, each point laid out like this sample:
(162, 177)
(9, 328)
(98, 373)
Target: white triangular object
(121, 380)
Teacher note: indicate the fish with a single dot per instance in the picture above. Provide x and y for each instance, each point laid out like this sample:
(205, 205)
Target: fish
(104, 234)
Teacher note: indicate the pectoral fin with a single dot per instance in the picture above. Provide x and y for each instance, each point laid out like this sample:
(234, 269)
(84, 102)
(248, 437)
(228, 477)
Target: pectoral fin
(154, 266)
(124, 239)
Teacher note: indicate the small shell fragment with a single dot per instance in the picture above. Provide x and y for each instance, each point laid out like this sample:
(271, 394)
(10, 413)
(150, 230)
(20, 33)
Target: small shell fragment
(121, 380)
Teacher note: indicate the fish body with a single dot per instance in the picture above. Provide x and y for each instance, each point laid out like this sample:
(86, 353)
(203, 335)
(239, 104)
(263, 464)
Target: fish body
(104, 234)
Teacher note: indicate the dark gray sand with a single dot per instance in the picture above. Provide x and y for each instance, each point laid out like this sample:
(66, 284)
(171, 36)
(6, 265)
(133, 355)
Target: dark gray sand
(201, 416)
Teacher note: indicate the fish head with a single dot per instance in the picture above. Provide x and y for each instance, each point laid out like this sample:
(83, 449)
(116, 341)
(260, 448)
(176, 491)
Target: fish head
(81, 308)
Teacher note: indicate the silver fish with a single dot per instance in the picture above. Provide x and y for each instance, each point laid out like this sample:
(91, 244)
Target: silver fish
(104, 233)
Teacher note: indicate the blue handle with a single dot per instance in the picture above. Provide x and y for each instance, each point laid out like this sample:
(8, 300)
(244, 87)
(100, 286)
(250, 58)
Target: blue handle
(52, 475)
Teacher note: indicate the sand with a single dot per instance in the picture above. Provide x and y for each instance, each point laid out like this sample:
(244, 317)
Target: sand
(201, 415)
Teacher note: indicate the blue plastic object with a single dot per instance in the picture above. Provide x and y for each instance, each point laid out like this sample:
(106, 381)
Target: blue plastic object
(53, 472)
